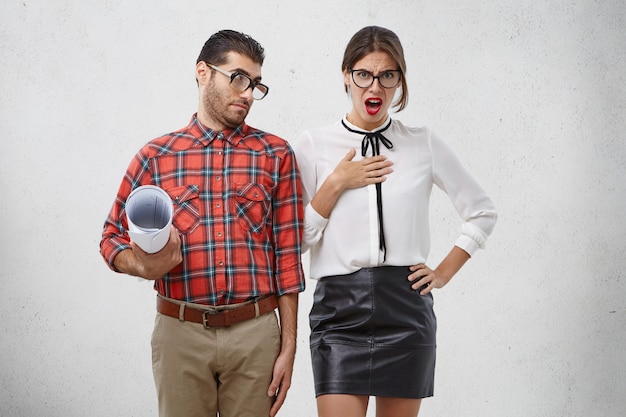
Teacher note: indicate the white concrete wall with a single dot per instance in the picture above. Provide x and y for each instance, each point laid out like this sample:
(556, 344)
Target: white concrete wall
(530, 93)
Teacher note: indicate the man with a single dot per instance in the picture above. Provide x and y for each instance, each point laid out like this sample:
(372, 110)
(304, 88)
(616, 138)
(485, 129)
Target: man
(233, 253)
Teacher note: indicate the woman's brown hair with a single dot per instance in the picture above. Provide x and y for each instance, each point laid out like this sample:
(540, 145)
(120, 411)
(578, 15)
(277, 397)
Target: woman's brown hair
(377, 39)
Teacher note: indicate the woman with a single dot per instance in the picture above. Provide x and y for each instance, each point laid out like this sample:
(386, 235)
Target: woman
(366, 226)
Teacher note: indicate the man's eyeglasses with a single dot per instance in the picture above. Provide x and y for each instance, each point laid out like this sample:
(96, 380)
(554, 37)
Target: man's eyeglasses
(387, 79)
(241, 82)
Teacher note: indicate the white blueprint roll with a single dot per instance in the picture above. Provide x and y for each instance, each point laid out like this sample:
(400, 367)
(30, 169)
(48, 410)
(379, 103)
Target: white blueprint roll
(149, 213)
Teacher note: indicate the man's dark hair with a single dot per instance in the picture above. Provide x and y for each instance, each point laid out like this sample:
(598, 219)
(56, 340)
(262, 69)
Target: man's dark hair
(221, 43)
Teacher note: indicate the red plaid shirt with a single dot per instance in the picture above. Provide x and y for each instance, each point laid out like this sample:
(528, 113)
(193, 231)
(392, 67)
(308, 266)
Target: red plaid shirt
(237, 206)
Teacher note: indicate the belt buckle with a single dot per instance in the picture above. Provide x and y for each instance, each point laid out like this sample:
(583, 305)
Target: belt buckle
(224, 313)
(205, 320)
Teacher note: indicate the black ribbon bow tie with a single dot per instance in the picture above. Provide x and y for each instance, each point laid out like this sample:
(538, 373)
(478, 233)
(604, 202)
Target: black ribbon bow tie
(374, 139)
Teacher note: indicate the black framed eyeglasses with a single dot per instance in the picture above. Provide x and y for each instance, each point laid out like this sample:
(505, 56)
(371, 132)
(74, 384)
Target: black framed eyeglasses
(241, 82)
(387, 79)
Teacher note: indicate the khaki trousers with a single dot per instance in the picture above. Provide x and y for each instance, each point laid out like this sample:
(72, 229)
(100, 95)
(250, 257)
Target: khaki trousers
(201, 372)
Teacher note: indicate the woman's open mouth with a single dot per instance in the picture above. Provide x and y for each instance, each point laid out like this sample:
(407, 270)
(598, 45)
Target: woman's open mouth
(373, 105)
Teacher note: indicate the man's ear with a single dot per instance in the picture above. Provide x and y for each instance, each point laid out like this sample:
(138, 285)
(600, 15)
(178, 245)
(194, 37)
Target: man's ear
(202, 72)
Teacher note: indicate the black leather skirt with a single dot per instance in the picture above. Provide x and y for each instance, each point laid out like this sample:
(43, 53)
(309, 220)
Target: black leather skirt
(372, 334)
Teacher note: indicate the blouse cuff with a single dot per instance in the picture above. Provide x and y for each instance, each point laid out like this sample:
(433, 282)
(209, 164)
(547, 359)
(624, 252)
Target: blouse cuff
(314, 218)
(471, 239)
(467, 244)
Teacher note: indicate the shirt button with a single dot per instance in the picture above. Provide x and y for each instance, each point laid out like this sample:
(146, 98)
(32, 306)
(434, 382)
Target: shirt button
(219, 234)
(218, 205)
(220, 263)
(217, 178)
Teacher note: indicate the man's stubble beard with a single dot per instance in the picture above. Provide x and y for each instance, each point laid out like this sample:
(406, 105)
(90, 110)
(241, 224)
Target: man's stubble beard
(217, 108)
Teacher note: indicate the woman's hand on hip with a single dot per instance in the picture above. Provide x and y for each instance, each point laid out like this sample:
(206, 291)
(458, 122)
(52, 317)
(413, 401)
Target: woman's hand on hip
(425, 279)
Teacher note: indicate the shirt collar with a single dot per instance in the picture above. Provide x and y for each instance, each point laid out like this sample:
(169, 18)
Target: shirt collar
(206, 135)
(350, 125)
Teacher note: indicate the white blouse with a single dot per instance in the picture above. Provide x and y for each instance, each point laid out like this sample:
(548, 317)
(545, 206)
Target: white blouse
(348, 240)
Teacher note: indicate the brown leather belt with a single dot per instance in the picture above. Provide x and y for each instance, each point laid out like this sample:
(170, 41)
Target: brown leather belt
(219, 316)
